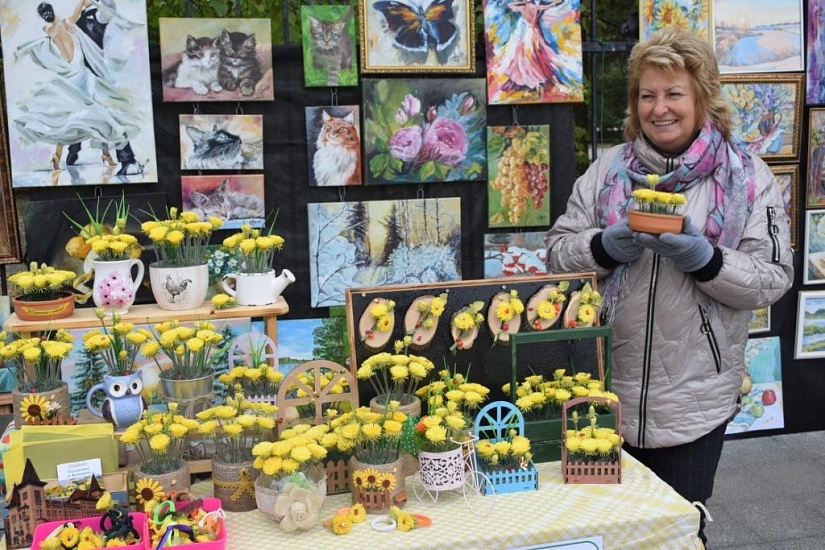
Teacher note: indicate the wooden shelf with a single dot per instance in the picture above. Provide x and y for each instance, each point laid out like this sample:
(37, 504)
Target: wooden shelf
(151, 313)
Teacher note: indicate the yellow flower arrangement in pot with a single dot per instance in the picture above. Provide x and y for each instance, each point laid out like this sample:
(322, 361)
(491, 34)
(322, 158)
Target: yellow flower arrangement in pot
(236, 427)
(160, 440)
(35, 363)
(539, 398)
(395, 377)
(42, 293)
(655, 211)
(180, 276)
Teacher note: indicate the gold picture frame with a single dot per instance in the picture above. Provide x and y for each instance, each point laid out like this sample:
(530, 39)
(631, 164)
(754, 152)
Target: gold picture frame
(390, 43)
(9, 234)
(787, 175)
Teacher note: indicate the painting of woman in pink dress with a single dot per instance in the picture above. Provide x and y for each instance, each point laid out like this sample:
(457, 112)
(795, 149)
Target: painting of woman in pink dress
(533, 51)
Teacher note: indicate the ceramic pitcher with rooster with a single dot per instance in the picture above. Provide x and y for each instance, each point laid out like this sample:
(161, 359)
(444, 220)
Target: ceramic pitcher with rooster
(179, 288)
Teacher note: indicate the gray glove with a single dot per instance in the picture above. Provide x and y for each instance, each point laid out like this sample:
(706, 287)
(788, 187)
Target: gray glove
(689, 250)
(617, 240)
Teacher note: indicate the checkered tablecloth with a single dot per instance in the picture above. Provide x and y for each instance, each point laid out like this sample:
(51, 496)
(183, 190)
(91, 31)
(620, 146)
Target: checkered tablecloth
(642, 512)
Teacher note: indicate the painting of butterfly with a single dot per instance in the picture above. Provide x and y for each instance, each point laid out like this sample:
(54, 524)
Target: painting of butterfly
(416, 36)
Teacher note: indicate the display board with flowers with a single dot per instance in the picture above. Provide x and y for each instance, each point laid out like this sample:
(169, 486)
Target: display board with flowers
(464, 326)
(42, 292)
(421, 319)
(395, 377)
(591, 454)
(376, 323)
(544, 307)
(583, 309)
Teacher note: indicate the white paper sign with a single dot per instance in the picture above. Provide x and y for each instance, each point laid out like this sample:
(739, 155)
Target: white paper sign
(82, 469)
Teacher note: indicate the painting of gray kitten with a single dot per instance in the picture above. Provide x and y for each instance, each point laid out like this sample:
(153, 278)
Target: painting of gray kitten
(329, 46)
(236, 199)
(198, 67)
(238, 68)
(221, 142)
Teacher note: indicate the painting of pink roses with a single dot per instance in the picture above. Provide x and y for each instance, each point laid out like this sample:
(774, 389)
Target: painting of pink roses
(424, 130)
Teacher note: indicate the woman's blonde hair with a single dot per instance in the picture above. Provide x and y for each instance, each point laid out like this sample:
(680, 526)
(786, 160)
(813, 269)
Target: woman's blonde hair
(670, 50)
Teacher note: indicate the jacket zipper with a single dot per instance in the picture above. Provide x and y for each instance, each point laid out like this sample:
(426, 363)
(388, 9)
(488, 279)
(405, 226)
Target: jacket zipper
(708, 330)
(773, 231)
(648, 349)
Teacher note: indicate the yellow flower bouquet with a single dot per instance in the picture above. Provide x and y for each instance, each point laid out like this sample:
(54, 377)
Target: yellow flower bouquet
(108, 243)
(190, 349)
(254, 249)
(180, 240)
(255, 380)
(395, 377)
(373, 437)
(237, 427)
(298, 450)
(117, 345)
(160, 440)
(35, 362)
(508, 454)
(591, 444)
(40, 283)
(539, 398)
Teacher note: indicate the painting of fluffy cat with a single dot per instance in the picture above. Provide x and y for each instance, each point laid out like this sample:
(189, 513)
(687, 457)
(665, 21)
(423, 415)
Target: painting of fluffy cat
(330, 46)
(238, 68)
(198, 67)
(337, 158)
(227, 204)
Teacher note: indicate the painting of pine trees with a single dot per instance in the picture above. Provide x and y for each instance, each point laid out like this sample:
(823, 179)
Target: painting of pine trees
(361, 244)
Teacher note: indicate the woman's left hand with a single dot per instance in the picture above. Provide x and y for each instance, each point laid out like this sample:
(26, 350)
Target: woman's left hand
(689, 250)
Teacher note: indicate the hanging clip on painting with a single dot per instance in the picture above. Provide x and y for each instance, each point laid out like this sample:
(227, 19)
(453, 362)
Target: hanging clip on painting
(196, 108)
(420, 193)
(333, 101)
(238, 108)
(515, 116)
(342, 194)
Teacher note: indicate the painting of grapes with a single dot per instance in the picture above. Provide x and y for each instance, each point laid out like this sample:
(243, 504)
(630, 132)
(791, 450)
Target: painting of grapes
(518, 160)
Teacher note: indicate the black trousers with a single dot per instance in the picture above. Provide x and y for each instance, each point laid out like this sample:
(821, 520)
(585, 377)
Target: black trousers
(689, 468)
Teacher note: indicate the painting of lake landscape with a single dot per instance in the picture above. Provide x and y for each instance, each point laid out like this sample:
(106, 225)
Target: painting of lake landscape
(810, 325)
(758, 36)
(761, 407)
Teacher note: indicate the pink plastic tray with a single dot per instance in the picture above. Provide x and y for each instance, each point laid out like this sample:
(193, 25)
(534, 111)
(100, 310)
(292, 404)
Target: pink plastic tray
(210, 504)
(42, 531)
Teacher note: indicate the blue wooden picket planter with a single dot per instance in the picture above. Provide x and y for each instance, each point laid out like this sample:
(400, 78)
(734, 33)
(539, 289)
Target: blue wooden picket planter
(494, 422)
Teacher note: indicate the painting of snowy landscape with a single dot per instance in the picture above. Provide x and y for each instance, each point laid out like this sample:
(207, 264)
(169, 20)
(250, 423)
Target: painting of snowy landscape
(514, 254)
(758, 36)
(376, 243)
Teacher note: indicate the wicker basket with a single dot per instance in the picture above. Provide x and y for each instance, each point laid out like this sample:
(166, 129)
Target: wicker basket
(234, 485)
(60, 395)
(583, 472)
(178, 480)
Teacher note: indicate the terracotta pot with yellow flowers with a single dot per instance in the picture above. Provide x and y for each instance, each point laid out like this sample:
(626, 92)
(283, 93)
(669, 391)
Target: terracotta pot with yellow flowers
(656, 212)
(255, 283)
(113, 255)
(40, 394)
(42, 293)
(189, 379)
(295, 459)
(160, 440)
(118, 345)
(180, 276)
(236, 427)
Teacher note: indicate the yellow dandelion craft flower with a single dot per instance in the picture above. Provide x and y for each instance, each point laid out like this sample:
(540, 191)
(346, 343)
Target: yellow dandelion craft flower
(405, 521)
(357, 513)
(341, 524)
(147, 490)
(69, 536)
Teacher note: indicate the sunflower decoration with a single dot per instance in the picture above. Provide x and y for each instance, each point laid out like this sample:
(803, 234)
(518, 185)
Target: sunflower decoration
(385, 482)
(148, 490)
(33, 408)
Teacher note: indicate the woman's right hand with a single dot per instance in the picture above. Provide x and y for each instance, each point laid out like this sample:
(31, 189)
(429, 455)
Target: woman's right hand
(618, 241)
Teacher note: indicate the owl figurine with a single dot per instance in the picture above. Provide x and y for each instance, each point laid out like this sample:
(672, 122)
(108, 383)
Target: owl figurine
(124, 403)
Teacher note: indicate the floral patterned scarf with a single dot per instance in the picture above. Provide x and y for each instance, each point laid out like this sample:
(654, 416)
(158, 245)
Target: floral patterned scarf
(732, 174)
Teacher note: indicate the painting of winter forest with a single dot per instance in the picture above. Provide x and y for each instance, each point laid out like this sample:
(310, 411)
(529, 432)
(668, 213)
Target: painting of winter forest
(78, 94)
(758, 36)
(376, 243)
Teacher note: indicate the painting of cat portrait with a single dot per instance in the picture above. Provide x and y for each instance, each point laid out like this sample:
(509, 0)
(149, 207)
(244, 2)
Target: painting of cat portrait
(328, 37)
(334, 146)
(221, 142)
(235, 199)
(216, 59)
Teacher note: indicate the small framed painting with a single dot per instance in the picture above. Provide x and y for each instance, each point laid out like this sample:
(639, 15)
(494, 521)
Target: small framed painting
(223, 59)
(236, 199)
(814, 272)
(328, 37)
(691, 15)
(333, 145)
(221, 142)
(787, 175)
(815, 181)
(810, 325)
(758, 37)
(815, 39)
(766, 113)
(411, 36)
(760, 320)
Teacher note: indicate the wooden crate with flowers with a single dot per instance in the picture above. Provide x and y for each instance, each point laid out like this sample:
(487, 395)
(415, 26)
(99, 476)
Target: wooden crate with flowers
(540, 397)
(503, 452)
(592, 454)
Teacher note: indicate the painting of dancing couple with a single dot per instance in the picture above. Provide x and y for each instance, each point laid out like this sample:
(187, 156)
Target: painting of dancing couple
(534, 51)
(78, 93)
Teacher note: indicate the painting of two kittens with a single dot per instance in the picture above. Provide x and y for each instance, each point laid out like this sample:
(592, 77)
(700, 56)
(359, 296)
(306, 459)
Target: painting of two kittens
(216, 59)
